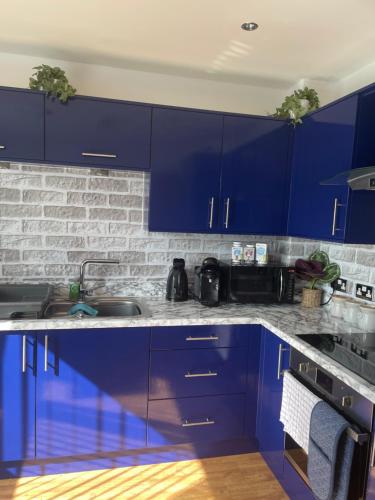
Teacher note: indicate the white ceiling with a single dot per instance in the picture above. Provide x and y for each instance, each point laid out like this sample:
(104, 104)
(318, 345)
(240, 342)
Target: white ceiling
(315, 39)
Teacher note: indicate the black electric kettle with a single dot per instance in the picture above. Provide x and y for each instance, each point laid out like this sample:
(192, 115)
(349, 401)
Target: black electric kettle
(177, 284)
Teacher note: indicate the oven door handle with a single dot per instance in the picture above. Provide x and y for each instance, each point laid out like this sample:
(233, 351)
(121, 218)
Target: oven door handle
(358, 437)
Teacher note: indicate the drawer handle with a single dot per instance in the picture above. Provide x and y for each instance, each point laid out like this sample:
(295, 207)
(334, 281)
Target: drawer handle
(211, 337)
(208, 421)
(204, 374)
(2, 147)
(99, 155)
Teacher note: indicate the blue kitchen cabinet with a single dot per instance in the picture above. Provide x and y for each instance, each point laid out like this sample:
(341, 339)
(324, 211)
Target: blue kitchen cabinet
(17, 397)
(274, 358)
(221, 174)
(330, 141)
(91, 391)
(98, 132)
(255, 175)
(362, 203)
(203, 386)
(21, 125)
(185, 170)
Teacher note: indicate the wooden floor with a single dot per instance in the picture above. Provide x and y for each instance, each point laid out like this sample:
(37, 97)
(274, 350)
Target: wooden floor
(235, 477)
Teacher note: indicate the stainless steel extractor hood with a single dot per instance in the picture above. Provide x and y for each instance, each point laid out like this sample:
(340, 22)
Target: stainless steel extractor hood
(357, 179)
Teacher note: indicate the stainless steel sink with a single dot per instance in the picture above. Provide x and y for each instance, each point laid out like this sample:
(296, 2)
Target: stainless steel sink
(114, 307)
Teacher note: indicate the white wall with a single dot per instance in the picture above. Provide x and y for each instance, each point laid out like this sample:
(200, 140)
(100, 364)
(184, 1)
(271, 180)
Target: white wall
(361, 78)
(104, 81)
(327, 91)
(120, 83)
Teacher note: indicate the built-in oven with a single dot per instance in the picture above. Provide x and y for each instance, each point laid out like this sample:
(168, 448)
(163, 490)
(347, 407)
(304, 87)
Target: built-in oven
(270, 283)
(353, 406)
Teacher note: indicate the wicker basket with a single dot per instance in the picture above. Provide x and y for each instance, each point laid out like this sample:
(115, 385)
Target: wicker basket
(311, 298)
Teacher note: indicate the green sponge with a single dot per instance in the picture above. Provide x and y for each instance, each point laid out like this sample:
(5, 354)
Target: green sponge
(84, 308)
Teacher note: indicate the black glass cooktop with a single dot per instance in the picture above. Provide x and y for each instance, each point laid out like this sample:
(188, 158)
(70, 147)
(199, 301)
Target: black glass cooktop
(355, 351)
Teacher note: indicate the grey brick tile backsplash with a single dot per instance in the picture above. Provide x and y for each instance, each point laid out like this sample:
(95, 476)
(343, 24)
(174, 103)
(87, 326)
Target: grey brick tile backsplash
(7, 194)
(357, 262)
(51, 218)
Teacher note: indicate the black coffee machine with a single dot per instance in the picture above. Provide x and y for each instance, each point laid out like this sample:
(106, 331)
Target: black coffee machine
(177, 283)
(210, 282)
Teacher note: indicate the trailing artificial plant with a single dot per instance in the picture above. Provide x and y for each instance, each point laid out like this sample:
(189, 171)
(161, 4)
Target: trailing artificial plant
(53, 81)
(317, 269)
(295, 106)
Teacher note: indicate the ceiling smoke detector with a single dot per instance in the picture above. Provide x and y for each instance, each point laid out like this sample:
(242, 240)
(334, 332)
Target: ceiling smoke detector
(249, 26)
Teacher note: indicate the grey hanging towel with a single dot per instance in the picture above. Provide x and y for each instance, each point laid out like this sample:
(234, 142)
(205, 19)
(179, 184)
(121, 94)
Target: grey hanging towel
(330, 453)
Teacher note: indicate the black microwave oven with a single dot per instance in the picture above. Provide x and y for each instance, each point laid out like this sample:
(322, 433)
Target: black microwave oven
(262, 284)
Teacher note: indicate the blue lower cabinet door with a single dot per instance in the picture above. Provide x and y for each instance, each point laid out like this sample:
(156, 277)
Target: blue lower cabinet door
(17, 397)
(91, 391)
(269, 430)
(197, 372)
(194, 420)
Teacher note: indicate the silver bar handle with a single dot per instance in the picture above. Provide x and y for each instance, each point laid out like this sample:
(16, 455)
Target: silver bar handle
(46, 353)
(2, 147)
(226, 223)
(336, 204)
(201, 339)
(281, 285)
(208, 421)
(279, 360)
(99, 155)
(211, 203)
(204, 374)
(23, 353)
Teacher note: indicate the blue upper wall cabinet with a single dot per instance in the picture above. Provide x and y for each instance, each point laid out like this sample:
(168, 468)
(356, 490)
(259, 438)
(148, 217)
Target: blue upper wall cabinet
(17, 397)
(98, 132)
(185, 171)
(330, 141)
(206, 178)
(255, 175)
(21, 125)
(91, 391)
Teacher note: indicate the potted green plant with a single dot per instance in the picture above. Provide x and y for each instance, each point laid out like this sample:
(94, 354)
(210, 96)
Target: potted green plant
(53, 81)
(316, 270)
(295, 106)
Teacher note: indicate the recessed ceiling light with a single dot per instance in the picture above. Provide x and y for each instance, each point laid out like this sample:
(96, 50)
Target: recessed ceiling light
(249, 26)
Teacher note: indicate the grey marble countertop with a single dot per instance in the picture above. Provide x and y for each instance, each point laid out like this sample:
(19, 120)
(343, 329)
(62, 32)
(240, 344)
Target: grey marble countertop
(286, 321)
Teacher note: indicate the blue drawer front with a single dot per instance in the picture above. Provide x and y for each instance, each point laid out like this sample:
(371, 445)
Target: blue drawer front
(197, 372)
(190, 420)
(196, 337)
